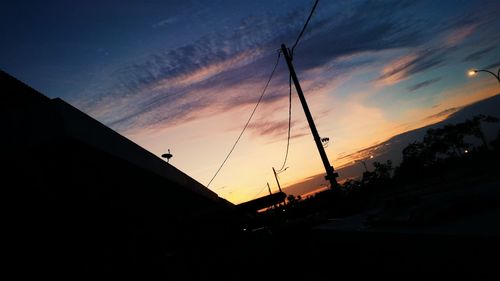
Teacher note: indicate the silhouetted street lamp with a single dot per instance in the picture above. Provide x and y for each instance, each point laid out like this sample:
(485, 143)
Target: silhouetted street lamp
(473, 72)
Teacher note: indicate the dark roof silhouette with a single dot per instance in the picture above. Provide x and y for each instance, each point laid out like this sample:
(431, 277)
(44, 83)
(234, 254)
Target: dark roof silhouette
(82, 198)
(78, 125)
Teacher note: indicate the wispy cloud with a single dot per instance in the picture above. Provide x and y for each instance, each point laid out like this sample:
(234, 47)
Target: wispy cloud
(226, 70)
(368, 27)
(423, 84)
(408, 65)
(441, 115)
(493, 65)
(478, 54)
(460, 34)
(270, 129)
(165, 22)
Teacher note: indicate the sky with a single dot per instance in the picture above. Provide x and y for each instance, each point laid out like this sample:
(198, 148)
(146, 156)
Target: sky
(186, 75)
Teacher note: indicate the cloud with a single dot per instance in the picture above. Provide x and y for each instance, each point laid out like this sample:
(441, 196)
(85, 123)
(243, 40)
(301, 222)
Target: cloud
(226, 69)
(460, 34)
(270, 129)
(423, 84)
(478, 54)
(441, 115)
(165, 22)
(299, 135)
(364, 153)
(369, 27)
(167, 86)
(493, 65)
(408, 65)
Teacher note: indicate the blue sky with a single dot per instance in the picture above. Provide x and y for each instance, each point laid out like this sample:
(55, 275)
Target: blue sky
(185, 75)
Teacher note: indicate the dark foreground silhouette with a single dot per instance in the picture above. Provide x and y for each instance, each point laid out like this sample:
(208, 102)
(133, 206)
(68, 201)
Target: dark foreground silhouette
(81, 200)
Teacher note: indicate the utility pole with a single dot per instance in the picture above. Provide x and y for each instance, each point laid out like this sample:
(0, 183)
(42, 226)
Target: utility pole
(277, 181)
(269, 188)
(330, 174)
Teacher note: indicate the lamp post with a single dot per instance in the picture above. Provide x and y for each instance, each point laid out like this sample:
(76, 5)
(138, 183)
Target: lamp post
(473, 72)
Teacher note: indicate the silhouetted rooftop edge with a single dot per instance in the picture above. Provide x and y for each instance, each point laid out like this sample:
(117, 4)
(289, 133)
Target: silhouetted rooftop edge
(84, 128)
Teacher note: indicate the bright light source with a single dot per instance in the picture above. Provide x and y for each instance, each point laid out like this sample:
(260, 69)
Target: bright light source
(473, 72)
(371, 156)
(466, 151)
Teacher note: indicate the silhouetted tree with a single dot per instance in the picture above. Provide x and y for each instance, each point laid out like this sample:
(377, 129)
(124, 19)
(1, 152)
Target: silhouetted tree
(496, 142)
(414, 152)
(351, 185)
(434, 143)
(415, 157)
(367, 178)
(473, 127)
(448, 140)
(381, 175)
(383, 170)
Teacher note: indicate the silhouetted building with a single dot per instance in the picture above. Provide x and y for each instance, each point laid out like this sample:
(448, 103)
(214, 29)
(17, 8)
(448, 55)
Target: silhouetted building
(262, 202)
(82, 198)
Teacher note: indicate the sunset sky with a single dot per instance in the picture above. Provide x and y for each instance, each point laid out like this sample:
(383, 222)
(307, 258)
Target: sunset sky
(185, 75)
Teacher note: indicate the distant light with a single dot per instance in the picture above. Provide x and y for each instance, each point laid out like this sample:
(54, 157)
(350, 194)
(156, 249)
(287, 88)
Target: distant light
(371, 156)
(472, 72)
(466, 151)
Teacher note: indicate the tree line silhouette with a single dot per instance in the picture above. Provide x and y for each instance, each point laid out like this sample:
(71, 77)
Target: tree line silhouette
(446, 158)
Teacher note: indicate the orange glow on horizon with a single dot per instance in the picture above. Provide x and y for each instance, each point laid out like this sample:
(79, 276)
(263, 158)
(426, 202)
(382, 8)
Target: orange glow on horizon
(357, 126)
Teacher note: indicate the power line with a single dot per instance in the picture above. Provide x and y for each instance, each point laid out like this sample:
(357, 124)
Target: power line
(304, 27)
(262, 95)
(289, 121)
(290, 85)
(255, 196)
(250, 118)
